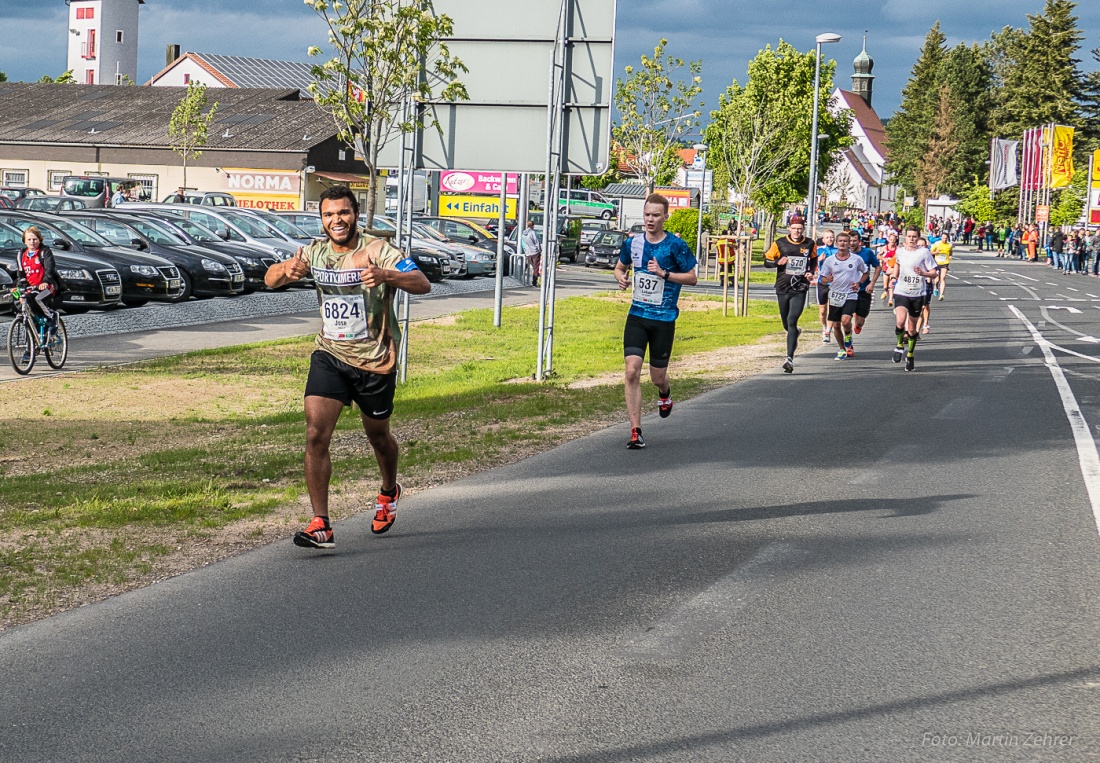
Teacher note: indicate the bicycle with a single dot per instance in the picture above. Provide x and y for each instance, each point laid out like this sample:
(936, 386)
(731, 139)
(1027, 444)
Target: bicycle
(30, 334)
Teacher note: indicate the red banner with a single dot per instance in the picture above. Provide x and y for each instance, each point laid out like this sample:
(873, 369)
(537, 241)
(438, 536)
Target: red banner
(1032, 176)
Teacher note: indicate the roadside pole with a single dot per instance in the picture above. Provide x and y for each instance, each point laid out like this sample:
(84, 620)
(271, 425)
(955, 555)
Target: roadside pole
(498, 296)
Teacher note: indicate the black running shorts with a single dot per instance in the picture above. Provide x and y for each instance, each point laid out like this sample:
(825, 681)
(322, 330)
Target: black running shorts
(823, 294)
(334, 379)
(848, 308)
(912, 304)
(863, 303)
(657, 335)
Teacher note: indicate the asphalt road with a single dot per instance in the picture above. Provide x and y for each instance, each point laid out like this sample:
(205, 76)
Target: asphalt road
(852, 563)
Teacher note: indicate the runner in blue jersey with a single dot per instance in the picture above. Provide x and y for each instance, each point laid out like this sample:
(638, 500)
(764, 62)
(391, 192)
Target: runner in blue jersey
(867, 285)
(825, 248)
(661, 263)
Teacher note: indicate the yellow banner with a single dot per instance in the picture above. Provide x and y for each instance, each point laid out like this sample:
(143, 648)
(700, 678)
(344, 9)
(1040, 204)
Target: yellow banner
(1061, 157)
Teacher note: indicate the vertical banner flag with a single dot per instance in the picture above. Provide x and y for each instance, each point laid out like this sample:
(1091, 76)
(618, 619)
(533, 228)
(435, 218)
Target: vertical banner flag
(1002, 164)
(1061, 157)
(1094, 189)
(1032, 179)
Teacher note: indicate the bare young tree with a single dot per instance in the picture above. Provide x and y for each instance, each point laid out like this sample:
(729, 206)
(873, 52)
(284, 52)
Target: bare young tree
(188, 125)
(385, 52)
(654, 111)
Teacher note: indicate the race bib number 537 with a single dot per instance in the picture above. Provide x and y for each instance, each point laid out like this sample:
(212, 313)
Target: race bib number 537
(648, 288)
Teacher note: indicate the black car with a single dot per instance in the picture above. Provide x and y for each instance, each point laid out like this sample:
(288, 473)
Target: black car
(14, 194)
(85, 282)
(605, 248)
(430, 264)
(143, 277)
(253, 264)
(204, 272)
(6, 282)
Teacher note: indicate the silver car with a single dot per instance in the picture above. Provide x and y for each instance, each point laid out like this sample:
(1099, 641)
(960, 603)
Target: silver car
(231, 225)
(454, 254)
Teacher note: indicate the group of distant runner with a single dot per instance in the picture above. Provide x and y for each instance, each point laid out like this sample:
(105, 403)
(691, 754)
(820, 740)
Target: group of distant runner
(357, 278)
(845, 269)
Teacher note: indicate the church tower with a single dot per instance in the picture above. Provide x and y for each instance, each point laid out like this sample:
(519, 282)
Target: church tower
(863, 80)
(103, 40)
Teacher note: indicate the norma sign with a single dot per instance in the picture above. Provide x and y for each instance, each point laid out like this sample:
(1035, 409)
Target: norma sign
(263, 189)
(452, 205)
(678, 198)
(476, 182)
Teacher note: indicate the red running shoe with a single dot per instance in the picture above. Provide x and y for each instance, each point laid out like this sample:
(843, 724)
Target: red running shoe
(385, 512)
(318, 534)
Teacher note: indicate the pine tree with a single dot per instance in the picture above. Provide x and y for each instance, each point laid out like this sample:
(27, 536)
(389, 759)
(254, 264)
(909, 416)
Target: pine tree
(934, 168)
(967, 76)
(1041, 78)
(1089, 102)
(909, 131)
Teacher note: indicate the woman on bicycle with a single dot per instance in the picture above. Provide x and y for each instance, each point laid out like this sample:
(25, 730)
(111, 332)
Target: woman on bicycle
(36, 266)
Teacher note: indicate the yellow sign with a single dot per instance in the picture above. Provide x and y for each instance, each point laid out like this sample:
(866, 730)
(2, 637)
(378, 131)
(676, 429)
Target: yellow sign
(276, 190)
(1096, 168)
(1061, 157)
(455, 205)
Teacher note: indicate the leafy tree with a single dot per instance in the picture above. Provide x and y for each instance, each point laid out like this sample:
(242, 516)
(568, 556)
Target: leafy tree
(3, 77)
(188, 126)
(975, 202)
(1040, 78)
(655, 108)
(65, 78)
(761, 131)
(910, 129)
(385, 53)
(685, 224)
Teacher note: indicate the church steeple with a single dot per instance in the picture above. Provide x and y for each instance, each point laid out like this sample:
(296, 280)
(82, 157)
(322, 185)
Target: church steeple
(862, 80)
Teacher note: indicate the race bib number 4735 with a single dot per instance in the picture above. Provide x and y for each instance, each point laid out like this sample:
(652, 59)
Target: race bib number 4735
(344, 318)
(648, 288)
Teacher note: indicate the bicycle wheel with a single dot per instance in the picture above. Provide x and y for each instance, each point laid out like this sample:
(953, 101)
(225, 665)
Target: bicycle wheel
(22, 349)
(57, 349)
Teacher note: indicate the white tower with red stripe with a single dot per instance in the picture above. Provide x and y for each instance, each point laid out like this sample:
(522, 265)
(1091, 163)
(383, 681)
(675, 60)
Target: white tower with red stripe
(103, 40)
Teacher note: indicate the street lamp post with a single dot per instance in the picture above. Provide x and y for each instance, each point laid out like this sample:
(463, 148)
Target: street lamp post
(702, 149)
(811, 206)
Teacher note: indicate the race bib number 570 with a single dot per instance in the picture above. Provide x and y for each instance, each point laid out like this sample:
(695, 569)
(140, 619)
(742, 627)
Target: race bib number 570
(344, 318)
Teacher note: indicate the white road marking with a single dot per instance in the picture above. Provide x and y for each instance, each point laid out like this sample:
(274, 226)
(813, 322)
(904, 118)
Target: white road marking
(1051, 284)
(1094, 296)
(1066, 298)
(1009, 299)
(1067, 329)
(1070, 288)
(681, 630)
(1070, 310)
(1020, 275)
(1000, 376)
(993, 293)
(1087, 454)
(991, 278)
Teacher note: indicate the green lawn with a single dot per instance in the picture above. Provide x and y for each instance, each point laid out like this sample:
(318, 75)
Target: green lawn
(107, 471)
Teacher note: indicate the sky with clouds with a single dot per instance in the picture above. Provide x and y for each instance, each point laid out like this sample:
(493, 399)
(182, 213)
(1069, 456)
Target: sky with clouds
(724, 34)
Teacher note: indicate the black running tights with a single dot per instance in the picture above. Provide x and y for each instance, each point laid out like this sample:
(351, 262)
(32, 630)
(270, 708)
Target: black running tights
(791, 305)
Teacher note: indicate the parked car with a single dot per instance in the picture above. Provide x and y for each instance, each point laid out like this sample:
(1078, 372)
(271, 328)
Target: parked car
(230, 225)
(310, 222)
(281, 228)
(14, 194)
(590, 229)
(6, 203)
(204, 272)
(144, 277)
(424, 240)
(466, 232)
(569, 235)
(605, 248)
(636, 228)
(491, 226)
(207, 198)
(253, 263)
(93, 190)
(86, 282)
(6, 283)
(583, 203)
(50, 204)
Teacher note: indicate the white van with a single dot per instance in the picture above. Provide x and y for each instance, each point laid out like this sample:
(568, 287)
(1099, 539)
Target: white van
(420, 193)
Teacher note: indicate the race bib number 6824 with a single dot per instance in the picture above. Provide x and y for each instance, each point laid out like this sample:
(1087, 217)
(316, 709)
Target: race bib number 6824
(344, 317)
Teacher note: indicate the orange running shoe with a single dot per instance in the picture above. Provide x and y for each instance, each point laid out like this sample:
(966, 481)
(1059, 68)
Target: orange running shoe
(318, 534)
(385, 512)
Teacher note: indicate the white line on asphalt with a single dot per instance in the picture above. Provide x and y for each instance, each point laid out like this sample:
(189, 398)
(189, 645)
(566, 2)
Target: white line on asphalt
(1000, 376)
(1009, 299)
(1020, 275)
(952, 275)
(1051, 284)
(993, 293)
(678, 632)
(1087, 454)
(1084, 337)
(1070, 288)
(1094, 296)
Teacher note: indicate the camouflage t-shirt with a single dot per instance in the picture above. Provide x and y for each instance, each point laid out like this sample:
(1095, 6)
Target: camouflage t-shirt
(359, 324)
